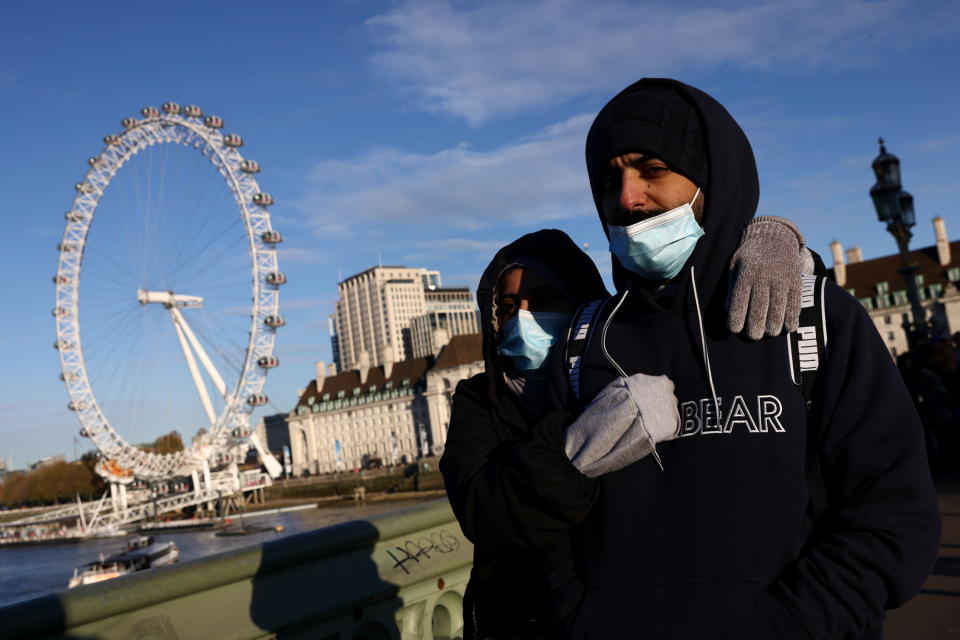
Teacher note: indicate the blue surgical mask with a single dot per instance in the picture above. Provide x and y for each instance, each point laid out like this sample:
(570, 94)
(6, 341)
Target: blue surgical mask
(658, 247)
(528, 335)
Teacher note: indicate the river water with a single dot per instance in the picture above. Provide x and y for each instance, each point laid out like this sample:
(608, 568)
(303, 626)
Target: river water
(30, 572)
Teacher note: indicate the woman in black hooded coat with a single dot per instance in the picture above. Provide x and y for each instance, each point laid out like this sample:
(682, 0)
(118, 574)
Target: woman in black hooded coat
(509, 481)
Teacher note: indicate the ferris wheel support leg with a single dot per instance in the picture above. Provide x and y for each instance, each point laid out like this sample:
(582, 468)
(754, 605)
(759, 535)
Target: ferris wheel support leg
(194, 371)
(206, 483)
(118, 498)
(201, 353)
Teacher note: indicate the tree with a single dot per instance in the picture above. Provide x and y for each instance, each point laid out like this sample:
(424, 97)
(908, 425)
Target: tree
(169, 443)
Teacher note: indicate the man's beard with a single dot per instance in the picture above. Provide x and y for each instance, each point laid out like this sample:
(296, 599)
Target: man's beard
(628, 218)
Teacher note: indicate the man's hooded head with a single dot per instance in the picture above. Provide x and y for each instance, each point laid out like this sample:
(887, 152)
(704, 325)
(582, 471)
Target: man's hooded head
(697, 138)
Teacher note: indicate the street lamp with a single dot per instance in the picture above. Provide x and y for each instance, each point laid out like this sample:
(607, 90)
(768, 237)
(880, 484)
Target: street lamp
(895, 208)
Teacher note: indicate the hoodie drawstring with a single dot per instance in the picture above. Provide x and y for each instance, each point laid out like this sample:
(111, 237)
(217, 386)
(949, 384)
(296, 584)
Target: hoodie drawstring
(623, 374)
(703, 342)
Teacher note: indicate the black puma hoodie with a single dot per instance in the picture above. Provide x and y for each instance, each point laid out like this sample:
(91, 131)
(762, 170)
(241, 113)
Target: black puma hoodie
(718, 544)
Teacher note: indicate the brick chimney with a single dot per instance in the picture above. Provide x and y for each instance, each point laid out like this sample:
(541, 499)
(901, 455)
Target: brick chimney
(839, 266)
(363, 365)
(943, 244)
(321, 374)
(854, 255)
(387, 356)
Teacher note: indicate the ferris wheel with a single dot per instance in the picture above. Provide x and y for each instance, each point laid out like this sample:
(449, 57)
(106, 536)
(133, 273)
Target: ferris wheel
(169, 259)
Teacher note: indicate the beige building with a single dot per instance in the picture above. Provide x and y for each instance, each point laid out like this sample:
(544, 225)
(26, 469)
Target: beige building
(882, 291)
(449, 313)
(395, 413)
(374, 311)
(461, 358)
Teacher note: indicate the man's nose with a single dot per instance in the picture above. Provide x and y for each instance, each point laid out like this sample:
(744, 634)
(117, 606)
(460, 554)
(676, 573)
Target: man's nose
(633, 191)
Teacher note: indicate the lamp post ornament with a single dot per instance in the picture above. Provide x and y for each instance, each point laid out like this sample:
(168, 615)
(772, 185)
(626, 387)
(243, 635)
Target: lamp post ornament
(895, 208)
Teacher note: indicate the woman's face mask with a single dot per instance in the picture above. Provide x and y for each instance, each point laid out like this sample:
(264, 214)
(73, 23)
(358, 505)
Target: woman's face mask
(526, 338)
(658, 247)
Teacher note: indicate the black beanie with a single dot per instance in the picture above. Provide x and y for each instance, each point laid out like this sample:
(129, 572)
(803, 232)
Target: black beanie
(654, 121)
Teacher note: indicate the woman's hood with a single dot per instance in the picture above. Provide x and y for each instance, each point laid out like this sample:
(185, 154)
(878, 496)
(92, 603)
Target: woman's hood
(552, 255)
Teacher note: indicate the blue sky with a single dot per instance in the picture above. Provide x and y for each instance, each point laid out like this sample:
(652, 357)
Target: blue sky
(430, 133)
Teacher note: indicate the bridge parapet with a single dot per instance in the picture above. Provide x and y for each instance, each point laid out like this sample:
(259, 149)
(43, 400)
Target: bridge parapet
(398, 575)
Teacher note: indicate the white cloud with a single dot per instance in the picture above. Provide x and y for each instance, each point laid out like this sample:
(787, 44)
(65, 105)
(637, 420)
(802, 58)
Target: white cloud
(537, 180)
(939, 143)
(480, 60)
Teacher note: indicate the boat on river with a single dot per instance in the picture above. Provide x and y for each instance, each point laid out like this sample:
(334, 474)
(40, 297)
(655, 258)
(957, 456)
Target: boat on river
(141, 553)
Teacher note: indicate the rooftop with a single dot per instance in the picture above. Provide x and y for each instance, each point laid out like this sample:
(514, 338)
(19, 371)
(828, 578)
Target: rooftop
(462, 349)
(863, 277)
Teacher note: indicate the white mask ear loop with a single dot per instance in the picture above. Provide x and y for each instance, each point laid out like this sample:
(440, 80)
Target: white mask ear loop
(703, 341)
(603, 346)
(694, 199)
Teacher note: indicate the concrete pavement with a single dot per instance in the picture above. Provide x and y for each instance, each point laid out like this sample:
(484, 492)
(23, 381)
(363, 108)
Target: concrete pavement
(935, 613)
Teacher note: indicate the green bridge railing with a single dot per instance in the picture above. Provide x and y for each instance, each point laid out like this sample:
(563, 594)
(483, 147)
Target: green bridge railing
(397, 575)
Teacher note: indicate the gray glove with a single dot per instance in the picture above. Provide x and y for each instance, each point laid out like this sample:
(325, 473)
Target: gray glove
(765, 278)
(622, 424)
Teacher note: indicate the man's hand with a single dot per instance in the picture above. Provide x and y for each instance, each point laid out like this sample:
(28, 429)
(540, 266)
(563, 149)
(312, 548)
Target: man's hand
(765, 278)
(622, 424)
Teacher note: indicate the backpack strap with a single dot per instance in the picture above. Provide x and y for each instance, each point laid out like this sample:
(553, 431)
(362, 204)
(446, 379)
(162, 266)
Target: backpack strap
(578, 337)
(806, 348)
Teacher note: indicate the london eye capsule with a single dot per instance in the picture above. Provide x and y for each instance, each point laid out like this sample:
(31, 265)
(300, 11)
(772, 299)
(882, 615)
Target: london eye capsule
(149, 112)
(214, 122)
(128, 123)
(61, 312)
(66, 247)
(272, 237)
(275, 277)
(233, 140)
(93, 161)
(84, 187)
(193, 111)
(84, 433)
(77, 406)
(263, 199)
(257, 400)
(111, 139)
(63, 345)
(274, 321)
(75, 216)
(61, 278)
(171, 107)
(250, 166)
(268, 362)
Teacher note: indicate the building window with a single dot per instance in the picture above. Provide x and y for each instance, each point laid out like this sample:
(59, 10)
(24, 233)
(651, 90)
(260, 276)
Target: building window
(936, 290)
(899, 298)
(953, 274)
(887, 320)
(891, 336)
(867, 303)
(883, 287)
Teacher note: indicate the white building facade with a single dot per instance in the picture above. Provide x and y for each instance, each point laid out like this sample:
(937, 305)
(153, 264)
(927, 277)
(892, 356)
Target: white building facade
(388, 414)
(460, 359)
(882, 290)
(449, 313)
(374, 311)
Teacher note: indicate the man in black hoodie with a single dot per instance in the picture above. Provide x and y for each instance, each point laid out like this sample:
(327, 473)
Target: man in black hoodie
(513, 488)
(719, 543)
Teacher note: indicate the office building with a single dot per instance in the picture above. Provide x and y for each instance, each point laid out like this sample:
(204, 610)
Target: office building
(449, 312)
(373, 314)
